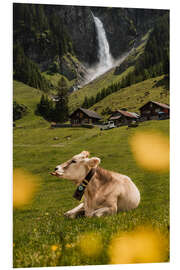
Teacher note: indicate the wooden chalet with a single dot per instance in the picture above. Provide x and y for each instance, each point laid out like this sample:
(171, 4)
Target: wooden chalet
(122, 117)
(83, 116)
(154, 111)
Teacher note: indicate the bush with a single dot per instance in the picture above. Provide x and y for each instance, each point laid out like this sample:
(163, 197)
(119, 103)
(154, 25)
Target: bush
(19, 110)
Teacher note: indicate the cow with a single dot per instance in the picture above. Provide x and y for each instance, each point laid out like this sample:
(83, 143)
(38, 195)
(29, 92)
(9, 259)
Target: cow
(106, 193)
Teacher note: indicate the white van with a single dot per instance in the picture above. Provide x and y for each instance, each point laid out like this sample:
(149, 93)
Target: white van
(108, 125)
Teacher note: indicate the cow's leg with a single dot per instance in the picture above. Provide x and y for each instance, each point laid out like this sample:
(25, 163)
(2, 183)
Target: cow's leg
(104, 211)
(73, 213)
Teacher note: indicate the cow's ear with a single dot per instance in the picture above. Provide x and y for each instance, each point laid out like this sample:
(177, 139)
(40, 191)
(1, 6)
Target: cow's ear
(85, 154)
(94, 162)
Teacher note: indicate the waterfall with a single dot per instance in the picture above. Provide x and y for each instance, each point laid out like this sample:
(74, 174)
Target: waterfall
(105, 60)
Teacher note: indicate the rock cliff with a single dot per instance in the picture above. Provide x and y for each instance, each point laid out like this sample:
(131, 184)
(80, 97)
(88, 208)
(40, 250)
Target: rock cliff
(64, 38)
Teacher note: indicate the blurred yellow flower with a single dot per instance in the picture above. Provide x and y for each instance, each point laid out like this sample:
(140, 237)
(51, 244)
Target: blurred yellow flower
(54, 247)
(143, 245)
(151, 150)
(24, 187)
(90, 244)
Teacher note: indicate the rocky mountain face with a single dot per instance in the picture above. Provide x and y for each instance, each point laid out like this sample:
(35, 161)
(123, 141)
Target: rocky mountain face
(64, 38)
(80, 27)
(125, 26)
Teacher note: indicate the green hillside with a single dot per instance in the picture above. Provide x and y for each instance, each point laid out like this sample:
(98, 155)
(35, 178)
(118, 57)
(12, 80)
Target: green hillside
(132, 98)
(28, 96)
(136, 95)
(76, 98)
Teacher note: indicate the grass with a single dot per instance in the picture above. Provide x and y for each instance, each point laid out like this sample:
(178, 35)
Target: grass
(28, 96)
(41, 224)
(54, 78)
(135, 96)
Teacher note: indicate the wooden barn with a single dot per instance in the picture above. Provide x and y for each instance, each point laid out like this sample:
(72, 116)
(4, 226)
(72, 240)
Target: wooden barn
(83, 116)
(154, 111)
(122, 117)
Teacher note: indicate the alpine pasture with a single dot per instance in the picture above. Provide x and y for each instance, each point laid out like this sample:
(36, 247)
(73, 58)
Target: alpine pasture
(42, 236)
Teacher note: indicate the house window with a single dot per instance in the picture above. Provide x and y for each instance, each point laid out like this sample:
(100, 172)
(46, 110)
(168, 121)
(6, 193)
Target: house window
(86, 120)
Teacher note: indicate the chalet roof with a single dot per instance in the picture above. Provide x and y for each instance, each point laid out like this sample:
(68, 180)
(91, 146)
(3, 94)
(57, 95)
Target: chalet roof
(115, 117)
(162, 105)
(89, 113)
(127, 114)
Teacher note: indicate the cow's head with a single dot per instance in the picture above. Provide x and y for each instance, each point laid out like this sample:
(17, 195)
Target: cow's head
(77, 167)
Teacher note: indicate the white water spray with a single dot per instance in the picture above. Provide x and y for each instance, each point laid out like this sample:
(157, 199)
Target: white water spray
(106, 61)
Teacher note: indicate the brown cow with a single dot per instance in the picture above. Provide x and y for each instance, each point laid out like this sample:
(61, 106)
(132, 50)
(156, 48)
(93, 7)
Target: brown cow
(106, 193)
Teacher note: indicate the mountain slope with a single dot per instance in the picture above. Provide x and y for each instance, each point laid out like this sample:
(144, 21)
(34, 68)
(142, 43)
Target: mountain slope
(47, 33)
(113, 76)
(134, 96)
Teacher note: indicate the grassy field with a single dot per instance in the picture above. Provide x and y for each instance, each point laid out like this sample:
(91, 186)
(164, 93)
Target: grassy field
(41, 225)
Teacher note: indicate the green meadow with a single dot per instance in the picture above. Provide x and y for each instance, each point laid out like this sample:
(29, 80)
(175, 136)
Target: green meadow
(42, 236)
(41, 224)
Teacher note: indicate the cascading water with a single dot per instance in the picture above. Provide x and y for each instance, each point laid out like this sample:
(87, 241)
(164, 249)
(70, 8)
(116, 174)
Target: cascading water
(104, 56)
(105, 59)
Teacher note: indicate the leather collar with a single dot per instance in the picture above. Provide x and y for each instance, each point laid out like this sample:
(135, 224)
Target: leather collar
(81, 188)
(90, 174)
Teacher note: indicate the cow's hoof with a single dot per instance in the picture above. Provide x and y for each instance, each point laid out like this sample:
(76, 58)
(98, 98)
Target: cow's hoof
(69, 215)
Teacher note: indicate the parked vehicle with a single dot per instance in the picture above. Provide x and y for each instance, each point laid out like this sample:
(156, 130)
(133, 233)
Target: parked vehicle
(108, 125)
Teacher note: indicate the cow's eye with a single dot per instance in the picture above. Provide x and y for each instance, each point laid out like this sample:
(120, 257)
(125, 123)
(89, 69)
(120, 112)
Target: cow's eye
(73, 161)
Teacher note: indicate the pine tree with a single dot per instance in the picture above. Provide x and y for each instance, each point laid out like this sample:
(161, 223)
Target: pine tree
(61, 107)
(98, 97)
(85, 103)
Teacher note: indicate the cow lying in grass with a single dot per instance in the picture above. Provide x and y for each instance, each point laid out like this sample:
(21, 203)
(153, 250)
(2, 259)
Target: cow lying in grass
(106, 193)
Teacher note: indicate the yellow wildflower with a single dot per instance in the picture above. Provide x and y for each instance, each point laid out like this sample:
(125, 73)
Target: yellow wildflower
(24, 187)
(144, 245)
(151, 150)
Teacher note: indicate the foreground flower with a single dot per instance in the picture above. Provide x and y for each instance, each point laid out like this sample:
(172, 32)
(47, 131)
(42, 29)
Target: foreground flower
(24, 187)
(54, 247)
(151, 150)
(90, 244)
(144, 245)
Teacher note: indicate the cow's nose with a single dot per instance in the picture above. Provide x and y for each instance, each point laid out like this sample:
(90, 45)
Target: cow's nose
(56, 169)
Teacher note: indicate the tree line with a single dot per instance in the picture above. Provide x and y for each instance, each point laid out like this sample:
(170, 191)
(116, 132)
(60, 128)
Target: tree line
(27, 71)
(55, 111)
(19, 110)
(35, 27)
